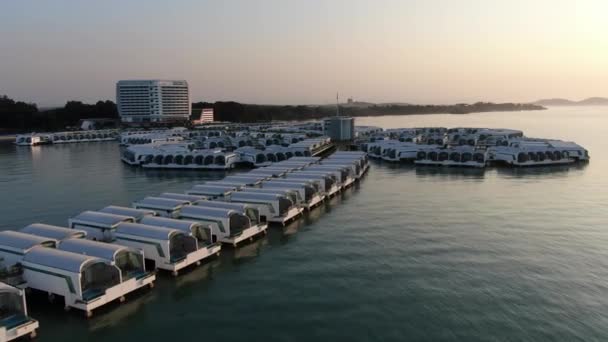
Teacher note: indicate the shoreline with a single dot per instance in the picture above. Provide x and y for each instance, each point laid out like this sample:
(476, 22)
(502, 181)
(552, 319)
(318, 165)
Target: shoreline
(5, 138)
(11, 137)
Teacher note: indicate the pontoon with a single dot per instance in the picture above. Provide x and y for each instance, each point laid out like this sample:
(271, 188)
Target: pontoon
(355, 167)
(464, 156)
(129, 260)
(292, 193)
(344, 173)
(355, 156)
(276, 208)
(538, 152)
(531, 156)
(170, 249)
(161, 206)
(33, 139)
(14, 320)
(85, 282)
(326, 181)
(252, 211)
(309, 191)
(228, 225)
(99, 226)
(202, 232)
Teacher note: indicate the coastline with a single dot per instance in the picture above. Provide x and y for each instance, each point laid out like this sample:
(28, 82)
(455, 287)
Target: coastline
(11, 137)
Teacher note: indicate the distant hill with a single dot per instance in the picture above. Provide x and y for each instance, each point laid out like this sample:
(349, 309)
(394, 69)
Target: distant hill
(592, 101)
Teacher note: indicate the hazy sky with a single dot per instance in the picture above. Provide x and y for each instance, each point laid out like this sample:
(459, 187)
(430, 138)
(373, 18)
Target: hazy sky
(303, 51)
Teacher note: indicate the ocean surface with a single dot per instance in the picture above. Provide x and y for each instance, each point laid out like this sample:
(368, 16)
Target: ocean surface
(409, 254)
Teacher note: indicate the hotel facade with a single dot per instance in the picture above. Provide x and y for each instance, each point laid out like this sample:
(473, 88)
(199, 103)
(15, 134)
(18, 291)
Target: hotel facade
(153, 101)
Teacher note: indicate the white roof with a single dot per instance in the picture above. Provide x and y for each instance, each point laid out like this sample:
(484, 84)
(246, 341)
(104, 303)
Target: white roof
(100, 218)
(340, 162)
(97, 249)
(147, 231)
(225, 205)
(274, 173)
(461, 149)
(279, 190)
(182, 197)
(283, 183)
(327, 167)
(182, 225)
(53, 232)
(291, 163)
(68, 261)
(313, 159)
(347, 153)
(273, 168)
(197, 211)
(126, 211)
(19, 240)
(255, 195)
(294, 177)
(319, 173)
(160, 203)
(222, 183)
(245, 178)
(212, 190)
(565, 144)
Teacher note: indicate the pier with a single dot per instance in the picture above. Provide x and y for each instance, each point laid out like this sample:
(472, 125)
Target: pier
(120, 249)
(467, 147)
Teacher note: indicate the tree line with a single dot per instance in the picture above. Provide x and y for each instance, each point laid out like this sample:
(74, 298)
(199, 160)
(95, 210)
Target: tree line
(17, 116)
(238, 112)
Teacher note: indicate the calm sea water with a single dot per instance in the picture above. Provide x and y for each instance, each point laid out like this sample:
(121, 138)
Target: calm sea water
(410, 254)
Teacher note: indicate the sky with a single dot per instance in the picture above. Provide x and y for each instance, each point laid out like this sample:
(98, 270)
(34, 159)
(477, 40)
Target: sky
(304, 51)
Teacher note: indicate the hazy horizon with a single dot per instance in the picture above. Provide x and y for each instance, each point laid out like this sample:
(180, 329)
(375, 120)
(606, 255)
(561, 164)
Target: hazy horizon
(303, 51)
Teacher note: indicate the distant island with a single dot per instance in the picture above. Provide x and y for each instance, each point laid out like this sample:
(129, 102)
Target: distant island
(592, 101)
(17, 116)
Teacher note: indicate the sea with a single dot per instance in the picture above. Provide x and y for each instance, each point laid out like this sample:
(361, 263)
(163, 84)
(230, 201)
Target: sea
(408, 254)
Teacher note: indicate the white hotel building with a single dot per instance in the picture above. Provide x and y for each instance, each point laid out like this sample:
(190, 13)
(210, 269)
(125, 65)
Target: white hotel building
(141, 101)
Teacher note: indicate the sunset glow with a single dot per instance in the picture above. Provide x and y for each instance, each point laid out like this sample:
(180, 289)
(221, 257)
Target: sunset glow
(302, 51)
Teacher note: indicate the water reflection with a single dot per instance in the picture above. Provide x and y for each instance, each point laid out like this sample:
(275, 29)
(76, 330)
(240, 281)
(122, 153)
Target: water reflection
(55, 318)
(196, 275)
(401, 166)
(115, 314)
(430, 241)
(452, 172)
(250, 250)
(36, 152)
(475, 173)
(164, 174)
(540, 171)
